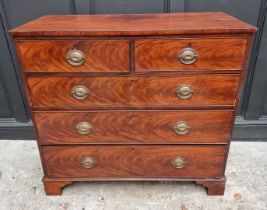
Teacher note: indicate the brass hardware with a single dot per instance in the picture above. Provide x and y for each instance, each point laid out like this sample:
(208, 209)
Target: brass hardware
(87, 162)
(75, 57)
(84, 128)
(178, 162)
(80, 92)
(181, 127)
(187, 55)
(184, 91)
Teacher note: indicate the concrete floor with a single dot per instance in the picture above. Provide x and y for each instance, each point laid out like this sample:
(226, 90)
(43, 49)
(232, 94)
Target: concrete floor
(21, 187)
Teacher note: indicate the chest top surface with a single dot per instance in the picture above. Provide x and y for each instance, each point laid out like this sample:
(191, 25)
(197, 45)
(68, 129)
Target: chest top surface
(133, 24)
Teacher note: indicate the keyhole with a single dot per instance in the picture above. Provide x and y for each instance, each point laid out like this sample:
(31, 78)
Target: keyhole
(133, 150)
(132, 81)
(74, 46)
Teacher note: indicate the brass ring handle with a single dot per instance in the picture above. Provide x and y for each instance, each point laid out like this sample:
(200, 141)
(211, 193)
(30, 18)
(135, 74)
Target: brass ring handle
(84, 128)
(87, 162)
(178, 162)
(75, 57)
(80, 92)
(184, 91)
(187, 56)
(181, 127)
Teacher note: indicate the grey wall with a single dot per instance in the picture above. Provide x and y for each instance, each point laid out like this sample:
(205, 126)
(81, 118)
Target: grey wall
(15, 121)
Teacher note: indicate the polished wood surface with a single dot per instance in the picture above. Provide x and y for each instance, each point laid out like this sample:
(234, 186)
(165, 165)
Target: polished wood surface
(131, 76)
(133, 91)
(214, 187)
(115, 127)
(134, 161)
(215, 54)
(55, 187)
(133, 24)
(50, 55)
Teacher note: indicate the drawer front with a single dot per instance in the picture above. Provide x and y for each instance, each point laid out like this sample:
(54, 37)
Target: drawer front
(58, 56)
(124, 127)
(134, 161)
(190, 54)
(132, 92)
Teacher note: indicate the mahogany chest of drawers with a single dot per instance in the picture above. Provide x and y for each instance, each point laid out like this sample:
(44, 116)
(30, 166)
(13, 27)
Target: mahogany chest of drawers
(133, 97)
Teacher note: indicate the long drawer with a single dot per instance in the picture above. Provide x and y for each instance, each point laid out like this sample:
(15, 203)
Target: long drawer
(134, 161)
(133, 91)
(190, 54)
(133, 127)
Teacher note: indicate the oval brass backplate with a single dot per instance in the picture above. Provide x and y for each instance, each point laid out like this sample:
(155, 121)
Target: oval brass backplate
(87, 162)
(178, 162)
(184, 92)
(187, 56)
(80, 92)
(84, 128)
(75, 57)
(181, 127)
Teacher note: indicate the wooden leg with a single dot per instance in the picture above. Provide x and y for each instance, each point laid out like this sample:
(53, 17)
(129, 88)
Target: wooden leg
(214, 187)
(55, 187)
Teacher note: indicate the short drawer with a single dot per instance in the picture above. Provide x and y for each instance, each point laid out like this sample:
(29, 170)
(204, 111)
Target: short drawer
(74, 55)
(133, 92)
(124, 127)
(190, 54)
(134, 161)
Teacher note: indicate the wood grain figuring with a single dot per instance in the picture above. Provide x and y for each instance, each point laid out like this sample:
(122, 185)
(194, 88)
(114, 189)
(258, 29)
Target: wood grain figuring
(115, 127)
(133, 91)
(215, 54)
(134, 161)
(133, 24)
(132, 74)
(50, 55)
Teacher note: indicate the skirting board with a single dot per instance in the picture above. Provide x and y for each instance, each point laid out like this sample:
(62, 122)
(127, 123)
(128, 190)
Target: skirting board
(11, 129)
(250, 130)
